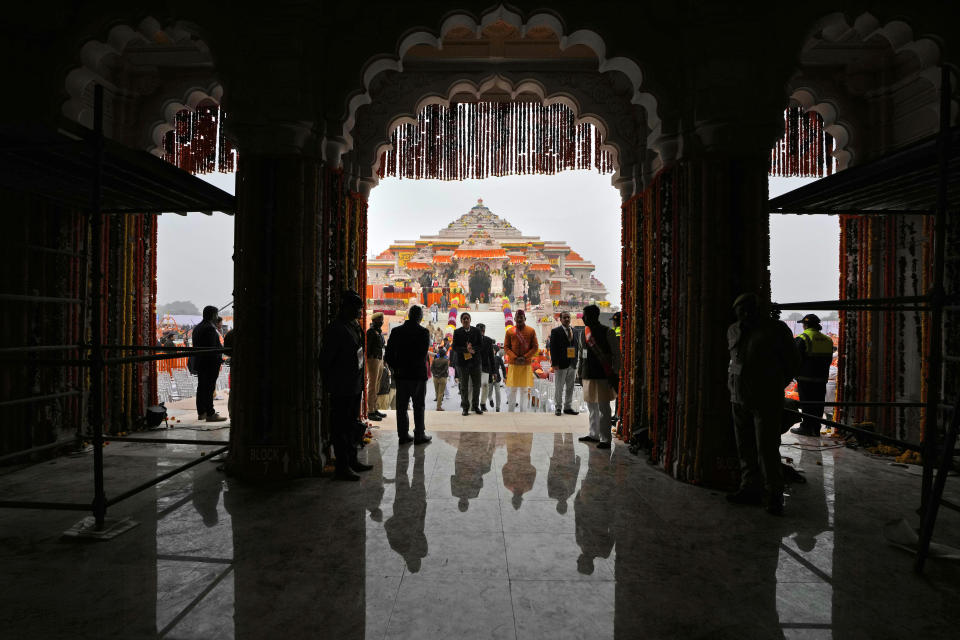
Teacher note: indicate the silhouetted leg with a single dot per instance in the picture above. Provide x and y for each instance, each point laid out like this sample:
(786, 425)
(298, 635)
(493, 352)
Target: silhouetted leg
(419, 396)
(745, 429)
(403, 399)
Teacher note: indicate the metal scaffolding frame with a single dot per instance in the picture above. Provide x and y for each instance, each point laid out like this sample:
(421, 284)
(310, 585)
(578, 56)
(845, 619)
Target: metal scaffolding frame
(934, 302)
(147, 177)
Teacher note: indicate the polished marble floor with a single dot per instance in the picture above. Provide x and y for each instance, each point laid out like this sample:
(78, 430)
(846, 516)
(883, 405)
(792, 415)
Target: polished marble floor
(477, 535)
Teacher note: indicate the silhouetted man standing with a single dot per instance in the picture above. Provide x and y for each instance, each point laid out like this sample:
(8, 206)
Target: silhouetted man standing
(207, 365)
(763, 360)
(407, 356)
(341, 364)
(374, 364)
(816, 354)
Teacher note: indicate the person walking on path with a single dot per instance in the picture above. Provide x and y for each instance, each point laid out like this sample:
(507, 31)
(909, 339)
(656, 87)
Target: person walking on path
(564, 358)
(763, 360)
(816, 354)
(207, 365)
(599, 370)
(520, 345)
(374, 364)
(488, 368)
(441, 370)
(468, 345)
(341, 364)
(407, 356)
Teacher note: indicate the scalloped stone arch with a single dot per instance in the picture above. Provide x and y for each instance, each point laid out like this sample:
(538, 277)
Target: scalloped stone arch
(807, 98)
(925, 52)
(462, 19)
(190, 100)
(97, 56)
(494, 81)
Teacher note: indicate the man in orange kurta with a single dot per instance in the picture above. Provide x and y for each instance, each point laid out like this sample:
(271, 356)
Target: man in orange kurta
(520, 346)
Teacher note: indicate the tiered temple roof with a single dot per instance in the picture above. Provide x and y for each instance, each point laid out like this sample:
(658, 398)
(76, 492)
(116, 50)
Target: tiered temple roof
(482, 238)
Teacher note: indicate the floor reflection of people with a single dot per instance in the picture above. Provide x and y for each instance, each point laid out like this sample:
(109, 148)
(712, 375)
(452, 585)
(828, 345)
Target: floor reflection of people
(373, 487)
(518, 472)
(593, 511)
(563, 471)
(311, 564)
(206, 497)
(473, 460)
(405, 527)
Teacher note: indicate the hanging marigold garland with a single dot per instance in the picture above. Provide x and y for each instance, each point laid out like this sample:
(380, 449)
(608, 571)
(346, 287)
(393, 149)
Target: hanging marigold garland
(491, 139)
(805, 148)
(197, 142)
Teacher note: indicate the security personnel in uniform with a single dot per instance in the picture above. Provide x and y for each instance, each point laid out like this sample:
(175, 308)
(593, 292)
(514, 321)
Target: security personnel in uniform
(816, 354)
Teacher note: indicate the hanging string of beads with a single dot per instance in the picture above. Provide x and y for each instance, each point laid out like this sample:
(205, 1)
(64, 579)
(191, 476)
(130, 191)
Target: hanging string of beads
(492, 139)
(805, 150)
(197, 142)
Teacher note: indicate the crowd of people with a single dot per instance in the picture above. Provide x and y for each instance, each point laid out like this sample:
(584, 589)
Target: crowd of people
(412, 354)
(764, 358)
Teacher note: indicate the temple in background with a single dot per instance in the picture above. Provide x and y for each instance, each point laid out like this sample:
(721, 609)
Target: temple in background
(483, 255)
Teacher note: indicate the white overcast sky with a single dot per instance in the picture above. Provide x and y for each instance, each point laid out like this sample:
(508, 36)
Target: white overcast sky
(578, 207)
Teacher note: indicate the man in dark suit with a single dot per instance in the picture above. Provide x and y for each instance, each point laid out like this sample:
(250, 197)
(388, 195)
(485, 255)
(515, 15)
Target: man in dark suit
(564, 354)
(207, 365)
(488, 368)
(468, 345)
(407, 356)
(341, 363)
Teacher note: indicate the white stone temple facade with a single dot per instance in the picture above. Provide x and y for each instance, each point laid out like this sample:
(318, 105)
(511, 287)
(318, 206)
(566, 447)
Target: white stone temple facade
(481, 241)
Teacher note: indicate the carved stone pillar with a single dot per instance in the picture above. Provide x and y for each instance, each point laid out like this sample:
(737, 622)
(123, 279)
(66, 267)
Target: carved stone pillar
(705, 240)
(275, 417)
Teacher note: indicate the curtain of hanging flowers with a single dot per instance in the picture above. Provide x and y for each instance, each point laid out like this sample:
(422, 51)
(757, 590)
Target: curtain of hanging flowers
(343, 248)
(629, 400)
(805, 148)
(42, 247)
(129, 317)
(197, 142)
(486, 139)
(882, 354)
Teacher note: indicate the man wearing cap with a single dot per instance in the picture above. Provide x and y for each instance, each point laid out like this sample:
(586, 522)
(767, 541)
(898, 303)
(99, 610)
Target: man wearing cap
(341, 364)
(763, 360)
(374, 364)
(816, 354)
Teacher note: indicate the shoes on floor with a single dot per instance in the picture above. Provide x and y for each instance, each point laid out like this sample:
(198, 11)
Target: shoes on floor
(201, 417)
(439, 408)
(603, 445)
(374, 416)
(215, 417)
(774, 505)
(405, 440)
(359, 466)
(498, 409)
(800, 431)
(478, 411)
(345, 475)
(466, 412)
(746, 496)
(558, 412)
(571, 412)
(380, 413)
(422, 439)
(588, 439)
